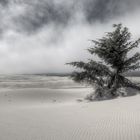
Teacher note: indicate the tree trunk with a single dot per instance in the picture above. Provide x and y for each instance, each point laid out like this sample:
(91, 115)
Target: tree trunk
(115, 84)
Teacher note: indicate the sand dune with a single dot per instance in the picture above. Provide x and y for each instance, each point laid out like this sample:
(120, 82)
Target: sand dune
(25, 115)
(36, 96)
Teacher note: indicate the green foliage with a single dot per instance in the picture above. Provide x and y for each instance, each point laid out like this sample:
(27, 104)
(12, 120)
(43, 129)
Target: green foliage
(112, 50)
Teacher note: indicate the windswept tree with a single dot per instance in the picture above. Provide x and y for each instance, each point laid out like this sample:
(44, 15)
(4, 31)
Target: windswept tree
(107, 75)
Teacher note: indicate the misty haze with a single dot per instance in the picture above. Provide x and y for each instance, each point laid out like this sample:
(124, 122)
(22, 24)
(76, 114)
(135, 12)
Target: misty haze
(42, 97)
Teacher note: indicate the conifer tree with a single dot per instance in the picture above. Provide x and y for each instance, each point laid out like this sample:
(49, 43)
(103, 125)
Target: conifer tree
(107, 74)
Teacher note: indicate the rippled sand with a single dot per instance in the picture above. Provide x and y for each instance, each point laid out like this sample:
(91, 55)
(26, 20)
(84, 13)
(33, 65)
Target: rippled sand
(55, 114)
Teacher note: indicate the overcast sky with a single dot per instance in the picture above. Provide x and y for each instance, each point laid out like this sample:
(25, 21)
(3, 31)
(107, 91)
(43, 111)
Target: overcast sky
(40, 36)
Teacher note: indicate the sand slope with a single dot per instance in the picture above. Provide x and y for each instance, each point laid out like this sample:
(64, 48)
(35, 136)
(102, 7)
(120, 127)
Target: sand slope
(28, 116)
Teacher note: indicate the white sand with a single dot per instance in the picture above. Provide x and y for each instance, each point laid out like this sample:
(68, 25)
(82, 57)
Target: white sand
(54, 114)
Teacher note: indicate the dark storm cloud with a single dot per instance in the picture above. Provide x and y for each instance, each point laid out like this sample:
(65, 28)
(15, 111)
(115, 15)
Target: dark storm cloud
(40, 13)
(101, 9)
(4, 2)
(104, 10)
(42, 35)
(43, 13)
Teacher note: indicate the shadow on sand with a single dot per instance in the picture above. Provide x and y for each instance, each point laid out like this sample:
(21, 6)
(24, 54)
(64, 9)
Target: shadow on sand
(125, 92)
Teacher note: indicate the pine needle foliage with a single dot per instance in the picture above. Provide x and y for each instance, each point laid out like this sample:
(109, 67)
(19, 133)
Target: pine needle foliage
(107, 75)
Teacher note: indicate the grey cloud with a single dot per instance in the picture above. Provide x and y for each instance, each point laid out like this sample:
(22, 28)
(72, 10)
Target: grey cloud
(105, 10)
(4, 2)
(101, 9)
(43, 13)
(38, 14)
(43, 35)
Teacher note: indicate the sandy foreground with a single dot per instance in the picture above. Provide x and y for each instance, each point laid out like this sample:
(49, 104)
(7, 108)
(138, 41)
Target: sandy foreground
(55, 114)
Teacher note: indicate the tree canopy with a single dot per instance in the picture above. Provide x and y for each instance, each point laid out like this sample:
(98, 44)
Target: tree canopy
(107, 74)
